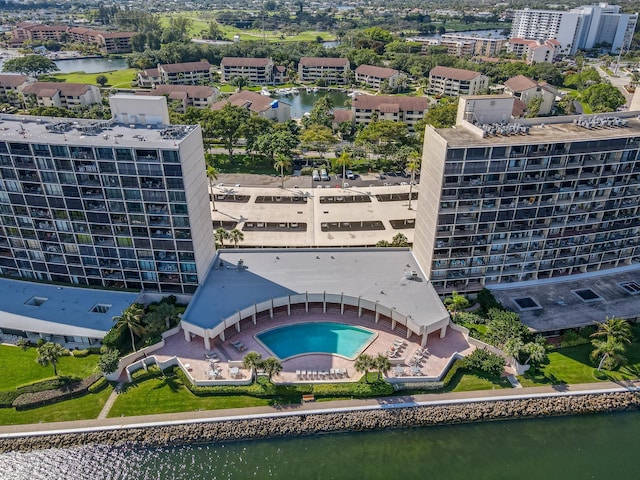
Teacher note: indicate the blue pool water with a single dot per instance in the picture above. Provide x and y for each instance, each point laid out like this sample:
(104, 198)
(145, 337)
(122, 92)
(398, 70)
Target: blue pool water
(318, 337)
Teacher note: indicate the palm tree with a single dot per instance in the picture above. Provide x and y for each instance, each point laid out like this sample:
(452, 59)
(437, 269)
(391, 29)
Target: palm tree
(252, 361)
(272, 367)
(221, 235)
(364, 363)
(131, 317)
(607, 352)
(236, 236)
(616, 328)
(49, 353)
(412, 167)
(513, 347)
(165, 312)
(344, 161)
(281, 163)
(382, 364)
(212, 175)
(456, 302)
(536, 352)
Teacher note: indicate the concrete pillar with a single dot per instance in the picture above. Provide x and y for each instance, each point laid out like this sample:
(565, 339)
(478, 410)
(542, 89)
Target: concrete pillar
(443, 331)
(393, 320)
(187, 335)
(324, 302)
(222, 336)
(359, 307)
(237, 325)
(342, 303)
(306, 302)
(289, 306)
(254, 317)
(207, 342)
(271, 309)
(129, 376)
(376, 313)
(423, 343)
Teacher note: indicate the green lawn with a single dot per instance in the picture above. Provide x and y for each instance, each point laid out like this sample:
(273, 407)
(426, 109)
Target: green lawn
(81, 408)
(18, 367)
(463, 381)
(244, 164)
(120, 78)
(573, 365)
(169, 395)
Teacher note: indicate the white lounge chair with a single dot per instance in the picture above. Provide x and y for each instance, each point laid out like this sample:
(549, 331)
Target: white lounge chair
(332, 372)
(298, 374)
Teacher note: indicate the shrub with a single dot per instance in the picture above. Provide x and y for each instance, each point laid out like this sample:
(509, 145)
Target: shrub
(152, 340)
(50, 383)
(37, 399)
(487, 301)
(40, 342)
(98, 385)
(353, 389)
(81, 353)
(485, 361)
(468, 317)
(141, 375)
(7, 398)
(571, 338)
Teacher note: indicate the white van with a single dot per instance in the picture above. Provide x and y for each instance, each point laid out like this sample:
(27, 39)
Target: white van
(315, 176)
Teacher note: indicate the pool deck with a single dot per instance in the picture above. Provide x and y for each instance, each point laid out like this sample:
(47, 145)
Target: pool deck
(193, 353)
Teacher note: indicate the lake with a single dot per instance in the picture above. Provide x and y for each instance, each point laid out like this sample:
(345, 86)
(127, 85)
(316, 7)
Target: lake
(303, 101)
(91, 65)
(599, 446)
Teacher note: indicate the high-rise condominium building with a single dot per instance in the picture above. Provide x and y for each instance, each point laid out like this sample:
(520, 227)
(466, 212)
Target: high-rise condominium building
(543, 198)
(118, 203)
(582, 28)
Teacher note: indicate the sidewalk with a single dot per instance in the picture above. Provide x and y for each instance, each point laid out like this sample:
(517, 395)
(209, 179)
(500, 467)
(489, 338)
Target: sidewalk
(310, 408)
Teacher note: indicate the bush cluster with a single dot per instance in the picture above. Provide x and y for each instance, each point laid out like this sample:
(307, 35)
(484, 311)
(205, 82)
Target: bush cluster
(38, 399)
(487, 301)
(485, 361)
(98, 385)
(467, 317)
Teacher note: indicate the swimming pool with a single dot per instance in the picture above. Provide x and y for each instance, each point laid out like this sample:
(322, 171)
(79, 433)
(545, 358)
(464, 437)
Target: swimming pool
(316, 337)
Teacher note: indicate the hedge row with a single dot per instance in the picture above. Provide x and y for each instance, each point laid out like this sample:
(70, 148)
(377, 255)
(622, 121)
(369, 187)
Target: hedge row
(38, 399)
(98, 385)
(50, 383)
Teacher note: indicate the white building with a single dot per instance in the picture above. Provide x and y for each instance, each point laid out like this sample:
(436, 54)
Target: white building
(454, 82)
(582, 28)
(526, 89)
(61, 94)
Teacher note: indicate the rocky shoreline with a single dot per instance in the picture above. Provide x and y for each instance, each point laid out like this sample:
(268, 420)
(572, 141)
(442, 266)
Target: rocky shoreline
(315, 423)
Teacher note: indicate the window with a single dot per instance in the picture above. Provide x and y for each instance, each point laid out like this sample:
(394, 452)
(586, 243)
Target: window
(100, 308)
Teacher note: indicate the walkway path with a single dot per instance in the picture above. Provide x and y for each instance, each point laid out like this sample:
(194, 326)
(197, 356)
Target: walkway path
(110, 401)
(319, 407)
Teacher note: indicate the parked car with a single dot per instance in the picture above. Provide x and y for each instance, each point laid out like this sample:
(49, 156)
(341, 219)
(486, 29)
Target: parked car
(323, 176)
(350, 175)
(316, 176)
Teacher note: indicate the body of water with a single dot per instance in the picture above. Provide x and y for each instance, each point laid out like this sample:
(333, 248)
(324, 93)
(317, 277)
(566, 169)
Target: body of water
(303, 101)
(316, 337)
(91, 65)
(590, 447)
(87, 65)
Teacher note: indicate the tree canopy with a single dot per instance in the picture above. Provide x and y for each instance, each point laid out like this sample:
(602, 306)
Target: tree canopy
(32, 65)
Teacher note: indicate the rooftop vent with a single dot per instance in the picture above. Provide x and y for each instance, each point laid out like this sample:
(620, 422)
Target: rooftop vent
(36, 301)
(631, 287)
(503, 129)
(600, 122)
(100, 308)
(526, 303)
(587, 295)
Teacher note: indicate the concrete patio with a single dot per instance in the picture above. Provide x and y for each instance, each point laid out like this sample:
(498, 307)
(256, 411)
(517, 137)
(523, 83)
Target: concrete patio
(194, 353)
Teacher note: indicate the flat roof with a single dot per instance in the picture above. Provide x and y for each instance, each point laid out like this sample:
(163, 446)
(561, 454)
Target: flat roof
(314, 214)
(59, 310)
(25, 128)
(543, 131)
(373, 274)
(560, 307)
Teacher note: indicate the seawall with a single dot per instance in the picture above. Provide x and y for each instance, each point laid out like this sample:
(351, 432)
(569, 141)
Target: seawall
(287, 424)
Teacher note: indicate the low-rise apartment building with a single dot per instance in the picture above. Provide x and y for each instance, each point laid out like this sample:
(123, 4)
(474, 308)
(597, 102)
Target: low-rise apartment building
(454, 82)
(181, 97)
(188, 73)
(258, 71)
(375, 77)
(333, 71)
(261, 105)
(409, 110)
(525, 89)
(11, 87)
(60, 94)
(534, 51)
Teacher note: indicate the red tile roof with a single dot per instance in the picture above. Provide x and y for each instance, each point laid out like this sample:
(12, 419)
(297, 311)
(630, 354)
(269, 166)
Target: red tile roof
(374, 102)
(373, 71)
(48, 89)
(191, 91)
(453, 73)
(244, 62)
(253, 101)
(185, 67)
(12, 81)
(342, 115)
(323, 62)
(520, 83)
